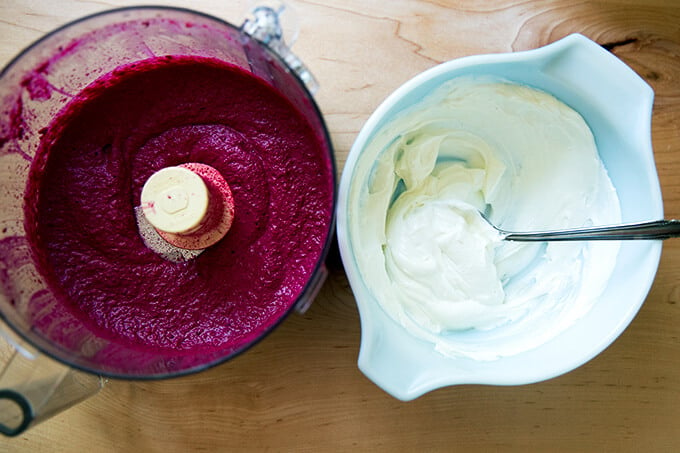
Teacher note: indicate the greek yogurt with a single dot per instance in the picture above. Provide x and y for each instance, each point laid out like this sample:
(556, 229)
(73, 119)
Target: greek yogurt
(524, 159)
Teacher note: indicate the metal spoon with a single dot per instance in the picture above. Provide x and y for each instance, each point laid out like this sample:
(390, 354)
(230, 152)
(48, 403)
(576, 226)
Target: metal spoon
(657, 229)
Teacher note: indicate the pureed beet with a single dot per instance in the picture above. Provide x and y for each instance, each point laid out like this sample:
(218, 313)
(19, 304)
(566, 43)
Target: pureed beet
(86, 181)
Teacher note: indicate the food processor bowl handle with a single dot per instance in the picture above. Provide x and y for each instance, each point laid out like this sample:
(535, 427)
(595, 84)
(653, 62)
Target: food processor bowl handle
(34, 387)
(264, 23)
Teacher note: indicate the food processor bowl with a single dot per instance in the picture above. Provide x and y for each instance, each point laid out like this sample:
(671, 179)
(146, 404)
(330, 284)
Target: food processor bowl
(39, 82)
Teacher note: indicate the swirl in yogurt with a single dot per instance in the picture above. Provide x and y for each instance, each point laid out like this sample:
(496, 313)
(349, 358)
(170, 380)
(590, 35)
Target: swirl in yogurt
(526, 160)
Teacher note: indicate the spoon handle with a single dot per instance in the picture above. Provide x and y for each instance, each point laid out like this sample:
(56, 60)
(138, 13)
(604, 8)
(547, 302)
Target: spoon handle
(657, 229)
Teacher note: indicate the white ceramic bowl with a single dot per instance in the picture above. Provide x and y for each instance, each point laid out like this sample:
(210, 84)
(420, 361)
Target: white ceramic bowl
(616, 103)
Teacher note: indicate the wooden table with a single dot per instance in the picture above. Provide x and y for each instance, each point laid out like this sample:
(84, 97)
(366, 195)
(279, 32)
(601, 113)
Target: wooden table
(300, 389)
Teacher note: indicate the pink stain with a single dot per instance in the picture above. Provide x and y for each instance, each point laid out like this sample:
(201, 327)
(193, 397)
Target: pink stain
(12, 129)
(149, 206)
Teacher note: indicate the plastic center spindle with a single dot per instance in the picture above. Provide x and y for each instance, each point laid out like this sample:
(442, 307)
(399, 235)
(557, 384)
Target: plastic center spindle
(190, 206)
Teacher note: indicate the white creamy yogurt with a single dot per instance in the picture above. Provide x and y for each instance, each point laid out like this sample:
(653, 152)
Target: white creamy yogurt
(527, 161)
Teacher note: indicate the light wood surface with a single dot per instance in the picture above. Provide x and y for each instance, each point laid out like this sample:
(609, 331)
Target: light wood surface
(300, 389)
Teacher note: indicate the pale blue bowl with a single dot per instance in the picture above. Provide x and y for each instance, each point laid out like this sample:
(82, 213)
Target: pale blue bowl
(617, 105)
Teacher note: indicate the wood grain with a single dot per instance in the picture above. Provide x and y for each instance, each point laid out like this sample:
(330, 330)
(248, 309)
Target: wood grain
(300, 389)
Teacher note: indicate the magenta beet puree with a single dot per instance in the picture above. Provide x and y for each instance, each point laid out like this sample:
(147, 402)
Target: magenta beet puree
(86, 181)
